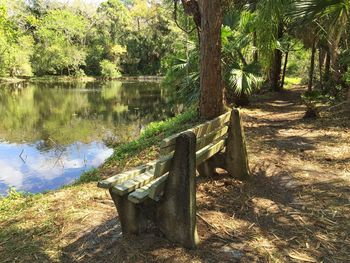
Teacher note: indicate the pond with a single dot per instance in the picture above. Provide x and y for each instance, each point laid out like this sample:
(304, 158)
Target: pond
(50, 133)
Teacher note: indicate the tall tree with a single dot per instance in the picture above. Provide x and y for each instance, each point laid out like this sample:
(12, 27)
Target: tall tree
(209, 14)
(211, 99)
(270, 30)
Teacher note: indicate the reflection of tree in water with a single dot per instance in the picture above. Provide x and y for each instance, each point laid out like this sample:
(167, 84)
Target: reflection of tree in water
(127, 102)
(66, 112)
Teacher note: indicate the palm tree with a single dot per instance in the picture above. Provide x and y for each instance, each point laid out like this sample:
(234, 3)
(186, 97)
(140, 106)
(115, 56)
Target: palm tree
(271, 27)
(334, 17)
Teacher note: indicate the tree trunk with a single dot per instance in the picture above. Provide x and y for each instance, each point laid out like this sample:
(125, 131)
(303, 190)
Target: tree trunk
(327, 70)
(284, 70)
(252, 8)
(275, 70)
(312, 66)
(334, 52)
(321, 57)
(347, 107)
(255, 52)
(211, 97)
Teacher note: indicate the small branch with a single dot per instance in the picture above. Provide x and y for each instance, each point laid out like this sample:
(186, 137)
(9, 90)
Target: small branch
(335, 106)
(20, 156)
(231, 239)
(177, 23)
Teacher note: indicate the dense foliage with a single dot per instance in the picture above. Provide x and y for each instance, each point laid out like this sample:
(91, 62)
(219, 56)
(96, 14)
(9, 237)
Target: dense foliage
(117, 37)
(263, 41)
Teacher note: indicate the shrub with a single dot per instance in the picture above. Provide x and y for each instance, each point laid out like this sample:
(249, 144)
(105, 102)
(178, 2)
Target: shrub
(109, 69)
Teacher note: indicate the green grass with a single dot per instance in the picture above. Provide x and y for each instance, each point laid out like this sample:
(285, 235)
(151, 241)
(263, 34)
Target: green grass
(290, 81)
(153, 134)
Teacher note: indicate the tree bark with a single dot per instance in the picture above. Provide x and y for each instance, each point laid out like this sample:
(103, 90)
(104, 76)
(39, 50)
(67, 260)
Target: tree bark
(252, 8)
(211, 98)
(327, 70)
(255, 52)
(320, 65)
(347, 107)
(334, 52)
(275, 70)
(312, 66)
(284, 69)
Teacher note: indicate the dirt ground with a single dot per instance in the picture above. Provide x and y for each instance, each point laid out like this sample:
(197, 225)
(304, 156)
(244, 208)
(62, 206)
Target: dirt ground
(296, 208)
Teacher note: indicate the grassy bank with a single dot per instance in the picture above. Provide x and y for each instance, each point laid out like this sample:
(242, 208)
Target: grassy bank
(39, 226)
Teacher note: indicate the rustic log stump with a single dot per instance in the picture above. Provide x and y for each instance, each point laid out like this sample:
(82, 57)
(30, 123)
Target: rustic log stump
(131, 220)
(236, 153)
(206, 168)
(177, 210)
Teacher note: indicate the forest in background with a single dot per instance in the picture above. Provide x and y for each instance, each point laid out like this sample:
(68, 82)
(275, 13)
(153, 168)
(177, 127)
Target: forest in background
(41, 37)
(262, 43)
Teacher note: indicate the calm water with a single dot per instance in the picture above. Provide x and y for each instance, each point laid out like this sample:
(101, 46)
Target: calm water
(51, 133)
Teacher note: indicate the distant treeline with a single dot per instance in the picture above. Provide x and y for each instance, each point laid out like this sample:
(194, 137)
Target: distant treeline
(41, 37)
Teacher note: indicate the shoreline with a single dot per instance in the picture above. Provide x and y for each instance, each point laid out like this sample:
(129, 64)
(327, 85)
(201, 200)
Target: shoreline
(14, 80)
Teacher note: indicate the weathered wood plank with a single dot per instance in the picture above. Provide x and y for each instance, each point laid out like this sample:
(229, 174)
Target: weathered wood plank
(151, 190)
(140, 195)
(161, 166)
(132, 184)
(122, 177)
(201, 142)
(200, 130)
(210, 150)
(211, 137)
(157, 187)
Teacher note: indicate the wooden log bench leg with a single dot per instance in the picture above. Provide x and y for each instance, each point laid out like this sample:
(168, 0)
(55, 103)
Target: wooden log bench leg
(206, 168)
(236, 152)
(177, 209)
(131, 219)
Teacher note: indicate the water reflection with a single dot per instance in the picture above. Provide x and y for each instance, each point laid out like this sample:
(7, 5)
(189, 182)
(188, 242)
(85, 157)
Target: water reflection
(52, 132)
(25, 167)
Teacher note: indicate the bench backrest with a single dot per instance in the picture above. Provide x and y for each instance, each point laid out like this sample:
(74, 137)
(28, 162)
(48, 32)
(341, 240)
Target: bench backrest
(206, 133)
(210, 135)
(211, 138)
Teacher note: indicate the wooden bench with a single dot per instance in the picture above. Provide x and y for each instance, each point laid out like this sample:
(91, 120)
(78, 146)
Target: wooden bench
(162, 193)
